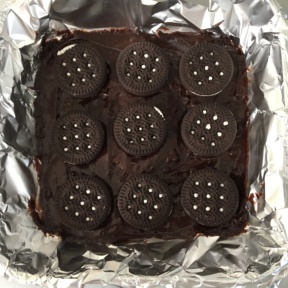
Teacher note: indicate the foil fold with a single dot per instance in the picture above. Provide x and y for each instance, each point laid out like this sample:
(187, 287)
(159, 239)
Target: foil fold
(258, 256)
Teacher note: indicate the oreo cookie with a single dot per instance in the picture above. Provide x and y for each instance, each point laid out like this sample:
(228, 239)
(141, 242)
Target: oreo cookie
(140, 129)
(209, 197)
(83, 203)
(145, 202)
(78, 137)
(206, 69)
(80, 69)
(208, 129)
(142, 68)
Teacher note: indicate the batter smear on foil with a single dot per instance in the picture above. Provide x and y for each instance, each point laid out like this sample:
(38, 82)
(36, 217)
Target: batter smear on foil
(168, 111)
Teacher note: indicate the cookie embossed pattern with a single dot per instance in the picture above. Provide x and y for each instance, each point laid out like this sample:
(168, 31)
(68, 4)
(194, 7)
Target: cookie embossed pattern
(141, 133)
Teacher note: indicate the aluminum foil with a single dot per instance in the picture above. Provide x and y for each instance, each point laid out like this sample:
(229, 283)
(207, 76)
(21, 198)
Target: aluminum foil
(259, 256)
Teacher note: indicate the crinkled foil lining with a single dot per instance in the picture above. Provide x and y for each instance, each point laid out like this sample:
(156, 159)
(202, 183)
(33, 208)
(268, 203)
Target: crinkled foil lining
(258, 256)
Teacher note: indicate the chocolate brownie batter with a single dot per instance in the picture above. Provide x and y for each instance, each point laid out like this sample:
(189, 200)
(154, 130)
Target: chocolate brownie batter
(172, 163)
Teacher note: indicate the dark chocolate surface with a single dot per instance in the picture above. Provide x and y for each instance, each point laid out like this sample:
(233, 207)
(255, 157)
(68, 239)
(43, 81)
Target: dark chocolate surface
(173, 162)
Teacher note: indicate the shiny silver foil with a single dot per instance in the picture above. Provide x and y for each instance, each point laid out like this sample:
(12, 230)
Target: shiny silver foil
(259, 256)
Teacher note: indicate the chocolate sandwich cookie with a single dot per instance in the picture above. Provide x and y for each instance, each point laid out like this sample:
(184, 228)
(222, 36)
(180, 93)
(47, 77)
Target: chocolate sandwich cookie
(78, 137)
(80, 69)
(145, 202)
(142, 68)
(208, 129)
(206, 69)
(140, 129)
(209, 197)
(83, 203)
